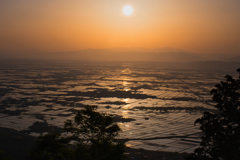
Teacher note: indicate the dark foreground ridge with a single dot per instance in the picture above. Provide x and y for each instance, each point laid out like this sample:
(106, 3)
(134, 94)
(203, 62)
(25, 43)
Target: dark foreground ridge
(16, 145)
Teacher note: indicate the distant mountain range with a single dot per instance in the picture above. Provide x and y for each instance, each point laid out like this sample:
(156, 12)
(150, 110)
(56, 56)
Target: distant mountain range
(234, 59)
(133, 54)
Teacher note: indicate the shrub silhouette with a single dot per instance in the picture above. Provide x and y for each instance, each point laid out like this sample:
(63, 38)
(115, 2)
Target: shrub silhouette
(90, 136)
(221, 140)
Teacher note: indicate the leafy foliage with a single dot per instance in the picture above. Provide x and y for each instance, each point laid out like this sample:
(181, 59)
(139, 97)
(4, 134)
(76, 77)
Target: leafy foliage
(98, 133)
(221, 140)
(90, 136)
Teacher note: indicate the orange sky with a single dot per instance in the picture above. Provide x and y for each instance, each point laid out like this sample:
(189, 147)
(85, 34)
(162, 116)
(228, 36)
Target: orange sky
(59, 25)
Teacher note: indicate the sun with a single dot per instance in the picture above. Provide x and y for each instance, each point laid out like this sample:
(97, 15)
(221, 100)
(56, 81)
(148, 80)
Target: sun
(128, 10)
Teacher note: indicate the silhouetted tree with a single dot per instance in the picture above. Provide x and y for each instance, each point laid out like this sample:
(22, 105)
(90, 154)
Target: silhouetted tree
(90, 136)
(221, 140)
(95, 132)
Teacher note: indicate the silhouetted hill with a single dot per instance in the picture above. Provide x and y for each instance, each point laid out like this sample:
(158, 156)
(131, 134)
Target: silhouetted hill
(234, 59)
(3, 56)
(125, 54)
(14, 144)
(157, 55)
(137, 56)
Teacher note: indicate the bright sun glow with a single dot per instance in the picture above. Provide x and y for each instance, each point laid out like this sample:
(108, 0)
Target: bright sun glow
(127, 10)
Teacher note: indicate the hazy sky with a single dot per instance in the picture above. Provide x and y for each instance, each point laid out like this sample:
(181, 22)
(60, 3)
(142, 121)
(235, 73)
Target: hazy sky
(203, 26)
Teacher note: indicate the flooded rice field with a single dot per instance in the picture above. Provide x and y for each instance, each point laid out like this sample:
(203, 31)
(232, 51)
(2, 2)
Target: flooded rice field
(154, 104)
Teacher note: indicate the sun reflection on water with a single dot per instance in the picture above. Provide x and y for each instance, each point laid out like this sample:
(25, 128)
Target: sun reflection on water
(125, 112)
(126, 84)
